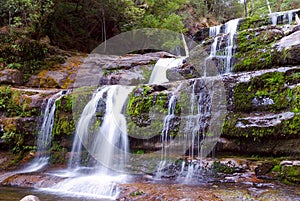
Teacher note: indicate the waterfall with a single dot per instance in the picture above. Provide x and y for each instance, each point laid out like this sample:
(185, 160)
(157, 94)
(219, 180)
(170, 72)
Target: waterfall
(44, 138)
(165, 134)
(194, 127)
(104, 136)
(44, 135)
(223, 54)
(215, 30)
(282, 17)
(196, 124)
(82, 129)
(159, 74)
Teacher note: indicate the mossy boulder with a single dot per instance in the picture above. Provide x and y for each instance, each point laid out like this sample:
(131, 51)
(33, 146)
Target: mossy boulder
(16, 102)
(290, 171)
(272, 91)
(265, 48)
(19, 134)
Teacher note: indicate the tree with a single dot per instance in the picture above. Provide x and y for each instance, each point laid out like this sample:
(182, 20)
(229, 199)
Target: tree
(259, 7)
(31, 15)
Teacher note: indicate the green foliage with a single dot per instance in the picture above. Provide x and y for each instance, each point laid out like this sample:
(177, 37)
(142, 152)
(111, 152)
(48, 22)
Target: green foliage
(29, 14)
(163, 14)
(14, 103)
(258, 7)
(14, 140)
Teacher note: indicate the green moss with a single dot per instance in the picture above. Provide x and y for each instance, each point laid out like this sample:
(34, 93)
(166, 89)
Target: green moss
(255, 50)
(146, 110)
(64, 123)
(142, 100)
(58, 152)
(276, 168)
(218, 167)
(15, 102)
(287, 129)
(253, 22)
(291, 174)
(269, 85)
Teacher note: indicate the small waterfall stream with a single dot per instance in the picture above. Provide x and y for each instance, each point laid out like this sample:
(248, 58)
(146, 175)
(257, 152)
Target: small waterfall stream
(223, 55)
(158, 75)
(282, 17)
(44, 138)
(165, 134)
(107, 145)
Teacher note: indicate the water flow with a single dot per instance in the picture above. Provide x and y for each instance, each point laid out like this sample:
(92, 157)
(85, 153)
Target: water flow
(230, 28)
(165, 134)
(159, 72)
(282, 17)
(222, 54)
(87, 118)
(44, 138)
(107, 145)
(196, 125)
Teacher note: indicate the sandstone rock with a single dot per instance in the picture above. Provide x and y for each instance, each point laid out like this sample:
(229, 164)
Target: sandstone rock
(49, 79)
(11, 76)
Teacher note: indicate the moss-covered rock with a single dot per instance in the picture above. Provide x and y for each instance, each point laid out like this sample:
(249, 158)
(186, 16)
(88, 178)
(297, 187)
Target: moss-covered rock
(264, 48)
(64, 122)
(290, 172)
(19, 133)
(272, 91)
(15, 102)
(255, 50)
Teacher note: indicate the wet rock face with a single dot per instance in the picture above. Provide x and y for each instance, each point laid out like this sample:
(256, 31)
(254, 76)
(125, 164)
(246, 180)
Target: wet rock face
(11, 76)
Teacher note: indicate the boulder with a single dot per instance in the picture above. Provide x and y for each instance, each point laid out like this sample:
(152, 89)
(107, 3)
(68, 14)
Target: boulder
(48, 79)
(11, 76)
(290, 46)
(30, 198)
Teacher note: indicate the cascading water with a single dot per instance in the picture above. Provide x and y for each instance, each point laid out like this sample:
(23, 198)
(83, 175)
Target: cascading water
(282, 17)
(165, 134)
(107, 146)
(223, 54)
(196, 125)
(44, 138)
(158, 74)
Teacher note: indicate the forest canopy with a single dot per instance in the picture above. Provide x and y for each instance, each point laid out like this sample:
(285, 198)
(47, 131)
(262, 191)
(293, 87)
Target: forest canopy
(83, 24)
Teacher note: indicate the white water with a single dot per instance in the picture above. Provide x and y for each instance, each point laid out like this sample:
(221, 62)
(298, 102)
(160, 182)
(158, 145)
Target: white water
(196, 124)
(215, 30)
(107, 145)
(165, 134)
(224, 56)
(230, 28)
(159, 72)
(44, 139)
(44, 136)
(287, 17)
